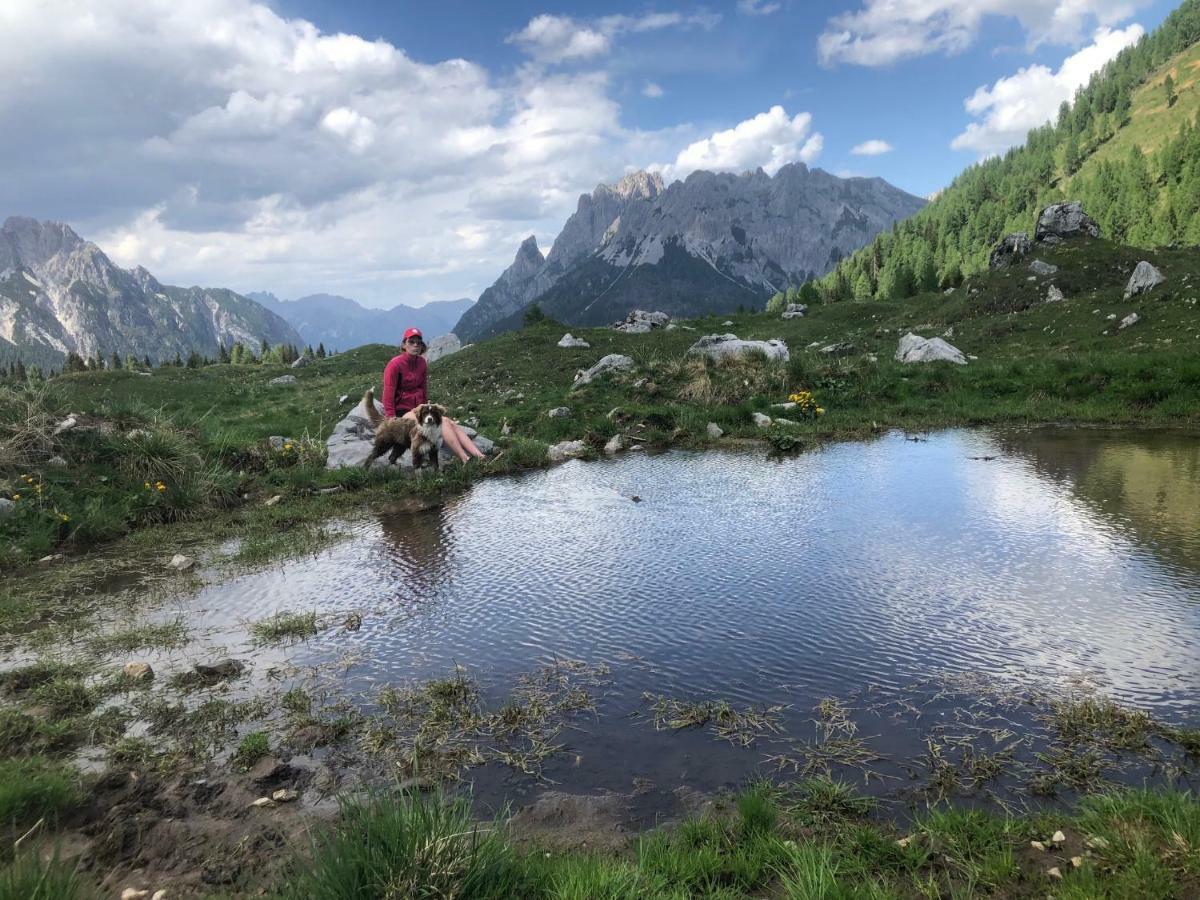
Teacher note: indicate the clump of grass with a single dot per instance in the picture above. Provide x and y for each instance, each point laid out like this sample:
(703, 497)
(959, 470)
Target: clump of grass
(65, 697)
(33, 788)
(165, 635)
(36, 674)
(285, 626)
(1101, 721)
(387, 847)
(738, 726)
(29, 878)
(22, 734)
(251, 748)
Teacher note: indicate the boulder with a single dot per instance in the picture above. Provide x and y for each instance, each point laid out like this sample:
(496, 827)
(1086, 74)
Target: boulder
(350, 443)
(717, 346)
(1064, 220)
(441, 346)
(615, 444)
(222, 668)
(1054, 295)
(301, 361)
(559, 412)
(640, 322)
(842, 348)
(1143, 280)
(283, 379)
(714, 430)
(1131, 319)
(914, 349)
(1011, 247)
(794, 311)
(569, 340)
(1038, 267)
(761, 420)
(612, 363)
(565, 450)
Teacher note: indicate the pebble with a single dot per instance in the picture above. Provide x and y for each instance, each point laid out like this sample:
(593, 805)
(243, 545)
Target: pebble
(138, 671)
(274, 500)
(263, 801)
(134, 894)
(1058, 838)
(1054, 872)
(285, 795)
(1077, 861)
(1038, 845)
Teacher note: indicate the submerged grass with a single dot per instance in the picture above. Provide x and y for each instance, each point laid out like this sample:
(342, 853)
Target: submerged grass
(285, 626)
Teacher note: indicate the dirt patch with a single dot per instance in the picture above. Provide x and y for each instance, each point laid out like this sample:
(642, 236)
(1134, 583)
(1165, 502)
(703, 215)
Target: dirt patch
(573, 822)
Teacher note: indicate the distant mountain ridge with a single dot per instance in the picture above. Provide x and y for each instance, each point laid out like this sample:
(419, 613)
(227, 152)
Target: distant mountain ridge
(710, 243)
(342, 324)
(60, 293)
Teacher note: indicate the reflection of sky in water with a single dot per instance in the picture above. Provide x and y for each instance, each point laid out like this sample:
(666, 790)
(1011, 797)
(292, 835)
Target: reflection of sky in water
(759, 580)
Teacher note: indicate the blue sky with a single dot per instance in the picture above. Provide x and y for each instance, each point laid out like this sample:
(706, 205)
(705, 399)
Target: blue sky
(399, 151)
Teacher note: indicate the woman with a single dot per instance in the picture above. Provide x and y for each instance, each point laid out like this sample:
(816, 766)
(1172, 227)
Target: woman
(404, 390)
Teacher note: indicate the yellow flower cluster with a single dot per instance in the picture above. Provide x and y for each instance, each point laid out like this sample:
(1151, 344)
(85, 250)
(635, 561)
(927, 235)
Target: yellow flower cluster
(806, 403)
(157, 486)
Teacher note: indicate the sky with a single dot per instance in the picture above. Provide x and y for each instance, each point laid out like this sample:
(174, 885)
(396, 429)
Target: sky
(399, 152)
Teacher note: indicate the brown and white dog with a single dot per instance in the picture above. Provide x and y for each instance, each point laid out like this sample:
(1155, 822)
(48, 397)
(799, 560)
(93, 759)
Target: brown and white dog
(398, 434)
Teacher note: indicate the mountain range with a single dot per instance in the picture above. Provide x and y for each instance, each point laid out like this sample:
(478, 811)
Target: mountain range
(341, 323)
(712, 242)
(60, 293)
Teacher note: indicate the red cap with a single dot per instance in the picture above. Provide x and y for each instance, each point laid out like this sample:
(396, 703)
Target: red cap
(413, 333)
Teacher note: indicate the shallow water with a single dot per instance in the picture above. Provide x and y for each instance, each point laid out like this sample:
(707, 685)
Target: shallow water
(1033, 558)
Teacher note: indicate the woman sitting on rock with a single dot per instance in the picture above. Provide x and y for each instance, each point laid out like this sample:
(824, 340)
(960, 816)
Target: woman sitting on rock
(404, 390)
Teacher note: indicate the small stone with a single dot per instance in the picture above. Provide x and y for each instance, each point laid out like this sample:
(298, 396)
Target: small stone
(615, 445)
(841, 348)
(761, 420)
(1054, 295)
(1131, 319)
(505, 430)
(134, 894)
(274, 500)
(1110, 316)
(1054, 872)
(560, 412)
(301, 361)
(342, 399)
(353, 622)
(181, 563)
(1042, 268)
(904, 842)
(65, 425)
(569, 340)
(781, 421)
(138, 671)
(283, 379)
(794, 311)
(1058, 838)
(6, 507)
(1077, 862)
(727, 322)
(714, 430)
(160, 894)
(565, 450)
(263, 801)
(1038, 845)
(222, 668)
(285, 795)
(789, 405)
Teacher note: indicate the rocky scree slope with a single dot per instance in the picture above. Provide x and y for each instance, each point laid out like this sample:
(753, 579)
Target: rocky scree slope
(60, 293)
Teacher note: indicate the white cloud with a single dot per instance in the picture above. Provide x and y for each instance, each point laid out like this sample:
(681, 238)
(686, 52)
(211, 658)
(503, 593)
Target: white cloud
(652, 90)
(757, 7)
(559, 39)
(770, 140)
(884, 31)
(872, 148)
(1030, 98)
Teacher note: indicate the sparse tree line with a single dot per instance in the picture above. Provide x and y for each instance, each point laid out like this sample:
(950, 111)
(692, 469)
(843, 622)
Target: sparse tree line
(238, 355)
(1138, 199)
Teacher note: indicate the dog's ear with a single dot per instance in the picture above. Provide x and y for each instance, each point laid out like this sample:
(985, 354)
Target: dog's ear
(441, 409)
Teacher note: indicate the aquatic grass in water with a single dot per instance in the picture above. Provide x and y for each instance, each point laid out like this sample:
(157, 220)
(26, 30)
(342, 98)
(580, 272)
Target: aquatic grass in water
(738, 726)
(285, 626)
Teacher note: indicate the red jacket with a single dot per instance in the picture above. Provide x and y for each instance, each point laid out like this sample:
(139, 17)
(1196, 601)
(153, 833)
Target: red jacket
(404, 384)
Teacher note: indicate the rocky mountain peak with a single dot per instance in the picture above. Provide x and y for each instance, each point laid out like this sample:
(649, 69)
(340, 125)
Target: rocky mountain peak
(640, 184)
(34, 242)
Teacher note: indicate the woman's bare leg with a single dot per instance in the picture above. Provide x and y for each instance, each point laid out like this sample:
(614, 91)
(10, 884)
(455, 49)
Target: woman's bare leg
(458, 442)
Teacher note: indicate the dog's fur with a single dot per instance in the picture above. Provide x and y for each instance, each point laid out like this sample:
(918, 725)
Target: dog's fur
(397, 434)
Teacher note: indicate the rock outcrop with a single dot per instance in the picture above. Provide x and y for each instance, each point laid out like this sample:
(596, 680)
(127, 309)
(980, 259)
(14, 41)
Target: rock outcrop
(1010, 248)
(718, 346)
(794, 311)
(352, 437)
(441, 346)
(642, 322)
(568, 340)
(916, 349)
(1144, 279)
(1061, 221)
(614, 362)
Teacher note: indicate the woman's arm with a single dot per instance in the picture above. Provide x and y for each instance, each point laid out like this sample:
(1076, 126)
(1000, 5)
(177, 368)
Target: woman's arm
(391, 383)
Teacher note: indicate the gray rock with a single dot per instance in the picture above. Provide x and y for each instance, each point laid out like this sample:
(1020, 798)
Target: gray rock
(1143, 280)
(714, 430)
(485, 445)
(641, 322)
(342, 399)
(222, 668)
(727, 322)
(7, 507)
(569, 340)
(442, 346)
(559, 412)
(1054, 295)
(1064, 220)
(842, 348)
(181, 563)
(794, 311)
(916, 349)
(761, 420)
(283, 379)
(65, 425)
(615, 445)
(1011, 247)
(352, 437)
(716, 346)
(1038, 267)
(614, 362)
(1131, 319)
(302, 361)
(565, 450)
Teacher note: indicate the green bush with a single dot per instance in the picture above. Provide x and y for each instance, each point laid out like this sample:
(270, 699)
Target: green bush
(34, 788)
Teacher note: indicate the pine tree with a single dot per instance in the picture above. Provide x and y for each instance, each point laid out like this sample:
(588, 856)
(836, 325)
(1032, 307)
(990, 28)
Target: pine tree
(19, 372)
(1169, 89)
(321, 351)
(178, 361)
(74, 363)
(223, 354)
(114, 361)
(146, 362)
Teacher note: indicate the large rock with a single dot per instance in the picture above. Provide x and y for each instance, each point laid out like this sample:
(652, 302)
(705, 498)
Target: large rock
(718, 346)
(614, 362)
(916, 349)
(352, 438)
(1143, 280)
(569, 340)
(1064, 220)
(565, 450)
(1040, 267)
(794, 311)
(442, 346)
(640, 322)
(1012, 246)
(301, 361)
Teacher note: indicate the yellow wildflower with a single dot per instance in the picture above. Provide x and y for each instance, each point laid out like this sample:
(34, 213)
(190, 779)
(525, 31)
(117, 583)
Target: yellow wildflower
(146, 485)
(16, 496)
(820, 411)
(64, 517)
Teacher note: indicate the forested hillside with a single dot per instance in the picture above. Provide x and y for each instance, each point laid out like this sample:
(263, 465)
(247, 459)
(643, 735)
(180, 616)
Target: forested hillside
(1128, 147)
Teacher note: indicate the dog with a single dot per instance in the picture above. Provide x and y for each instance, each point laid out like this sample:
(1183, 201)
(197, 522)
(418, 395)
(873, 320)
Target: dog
(397, 434)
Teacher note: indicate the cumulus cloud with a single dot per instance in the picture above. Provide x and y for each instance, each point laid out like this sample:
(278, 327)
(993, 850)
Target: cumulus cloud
(884, 31)
(757, 7)
(652, 90)
(1015, 104)
(872, 148)
(769, 140)
(560, 39)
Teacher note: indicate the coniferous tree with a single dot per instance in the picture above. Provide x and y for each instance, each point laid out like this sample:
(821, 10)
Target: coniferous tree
(321, 351)
(114, 361)
(223, 354)
(74, 363)
(1169, 90)
(19, 372)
